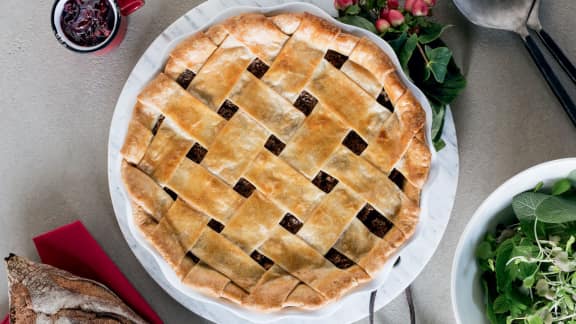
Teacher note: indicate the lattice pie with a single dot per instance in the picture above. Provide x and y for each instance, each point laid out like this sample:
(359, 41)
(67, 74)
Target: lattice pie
(276, 161)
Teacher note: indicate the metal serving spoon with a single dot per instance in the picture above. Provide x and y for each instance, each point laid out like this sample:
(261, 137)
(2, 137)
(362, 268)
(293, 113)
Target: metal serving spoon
(512, 15)
(534, 24)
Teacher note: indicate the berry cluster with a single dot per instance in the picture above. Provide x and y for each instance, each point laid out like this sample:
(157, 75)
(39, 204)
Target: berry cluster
(392, 14)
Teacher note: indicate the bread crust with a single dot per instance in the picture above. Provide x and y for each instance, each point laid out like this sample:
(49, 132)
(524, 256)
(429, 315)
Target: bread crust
(42, 293)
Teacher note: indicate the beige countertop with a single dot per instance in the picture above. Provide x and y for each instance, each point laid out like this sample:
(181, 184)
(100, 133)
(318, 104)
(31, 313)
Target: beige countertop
(56, 109)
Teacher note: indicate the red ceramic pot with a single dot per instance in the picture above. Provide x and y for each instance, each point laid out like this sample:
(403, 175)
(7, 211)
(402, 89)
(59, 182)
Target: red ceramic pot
(92, 26)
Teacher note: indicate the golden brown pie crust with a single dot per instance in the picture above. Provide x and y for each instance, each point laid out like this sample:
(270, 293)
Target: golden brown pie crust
(276, 161)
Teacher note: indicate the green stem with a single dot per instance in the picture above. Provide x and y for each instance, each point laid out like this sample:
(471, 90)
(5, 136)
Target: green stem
(421, 50)
(536, 236)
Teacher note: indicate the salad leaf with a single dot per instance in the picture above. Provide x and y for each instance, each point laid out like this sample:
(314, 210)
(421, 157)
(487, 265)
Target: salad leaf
(526, 265)
(569, 244)
(532, 230)
(525, 205)
(556, 210)
(572, 177)
(518, 301)
(488, 301)
(533, 277)
(529, 281)
(534, 319)
(538, 186)
(484, 251)
(503, 254)
(501, 305)
(561, 186)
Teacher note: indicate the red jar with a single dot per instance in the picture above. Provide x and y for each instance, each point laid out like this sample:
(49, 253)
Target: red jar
(92, 26)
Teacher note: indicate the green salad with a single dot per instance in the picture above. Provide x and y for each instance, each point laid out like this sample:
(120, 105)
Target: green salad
(528, 267)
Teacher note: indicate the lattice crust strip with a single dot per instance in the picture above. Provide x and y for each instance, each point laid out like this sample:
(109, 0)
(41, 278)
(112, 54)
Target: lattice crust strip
(276, 161)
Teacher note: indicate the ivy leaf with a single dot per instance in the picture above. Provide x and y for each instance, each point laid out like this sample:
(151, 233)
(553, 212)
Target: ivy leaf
(438, 114)
(438, 59)
(439, 111)
(439, 144)
(402, 28)
(556, 210)
(446, 92)
(431, 32)
(359, 22)
(561, 186)
(381, 3)
(369, 4)
(352, 10)
(397, 43)
(427, 73)
(525, 205)
(407, 51)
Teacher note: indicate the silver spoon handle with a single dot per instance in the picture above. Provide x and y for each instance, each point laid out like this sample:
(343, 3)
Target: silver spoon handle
(558, 54)
(550, 76)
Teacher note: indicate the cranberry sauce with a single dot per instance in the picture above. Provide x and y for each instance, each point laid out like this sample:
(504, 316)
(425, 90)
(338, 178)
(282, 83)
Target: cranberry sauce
(87, 22)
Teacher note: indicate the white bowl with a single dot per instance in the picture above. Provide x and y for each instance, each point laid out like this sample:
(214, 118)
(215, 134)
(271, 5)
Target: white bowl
(467, 295)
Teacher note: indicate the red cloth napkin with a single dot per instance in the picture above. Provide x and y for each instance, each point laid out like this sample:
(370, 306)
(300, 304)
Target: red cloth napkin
(72, 248)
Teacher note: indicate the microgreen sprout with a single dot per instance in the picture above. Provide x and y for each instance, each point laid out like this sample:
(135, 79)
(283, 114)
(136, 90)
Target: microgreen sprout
(529, 268)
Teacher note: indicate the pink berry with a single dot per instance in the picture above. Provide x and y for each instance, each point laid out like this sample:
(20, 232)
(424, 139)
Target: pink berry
(382, 25)
(409, 4)
(393, 4)
(395, 17)
(384, 13)
(343, 4)
(430, 3)
(420, 8)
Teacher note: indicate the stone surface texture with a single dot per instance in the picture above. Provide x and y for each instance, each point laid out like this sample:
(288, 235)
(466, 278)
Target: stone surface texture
(57, 105)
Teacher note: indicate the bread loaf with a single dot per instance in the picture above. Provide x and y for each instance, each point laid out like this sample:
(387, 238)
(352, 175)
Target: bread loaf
(40, 293)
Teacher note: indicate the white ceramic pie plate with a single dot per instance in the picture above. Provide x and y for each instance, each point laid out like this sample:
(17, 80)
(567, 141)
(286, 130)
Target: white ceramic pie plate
(437, 195)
